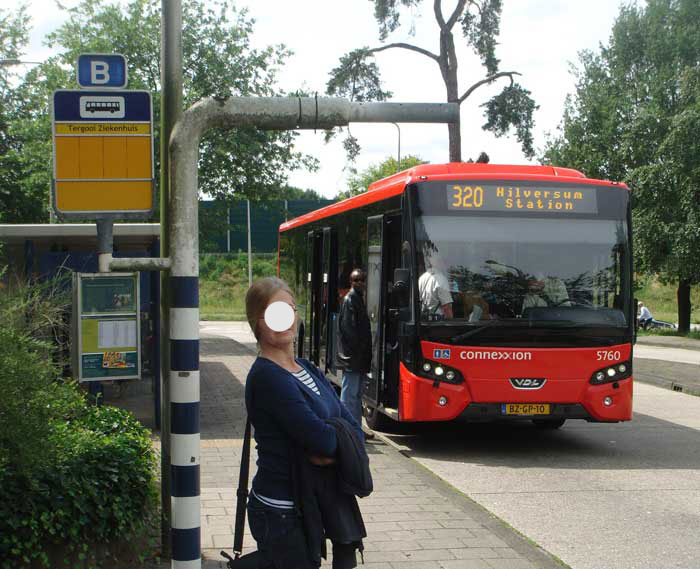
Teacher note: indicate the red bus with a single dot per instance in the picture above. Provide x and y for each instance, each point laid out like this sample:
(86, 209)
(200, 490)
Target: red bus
(538, 263)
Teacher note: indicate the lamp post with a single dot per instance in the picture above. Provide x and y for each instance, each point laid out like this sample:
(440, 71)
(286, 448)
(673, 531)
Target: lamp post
(398, 160)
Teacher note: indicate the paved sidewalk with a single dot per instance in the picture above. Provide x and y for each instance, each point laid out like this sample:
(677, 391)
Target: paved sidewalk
(670, 362)
(413, 518)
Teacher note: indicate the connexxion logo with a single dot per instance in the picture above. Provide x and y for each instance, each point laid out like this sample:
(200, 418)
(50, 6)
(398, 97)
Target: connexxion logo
(495, 355)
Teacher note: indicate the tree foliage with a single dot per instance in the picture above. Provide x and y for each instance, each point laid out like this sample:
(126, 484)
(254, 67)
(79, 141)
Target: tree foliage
(360, 181)
(218, 61)
(634, 117)
(357, 76)
(24, 173)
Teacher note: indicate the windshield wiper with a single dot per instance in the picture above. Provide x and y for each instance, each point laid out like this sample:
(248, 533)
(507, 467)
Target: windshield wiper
(544, 325)
(478, 329)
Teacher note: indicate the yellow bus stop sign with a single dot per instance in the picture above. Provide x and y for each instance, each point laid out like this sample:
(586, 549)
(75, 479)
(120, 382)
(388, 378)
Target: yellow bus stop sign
(103, 153)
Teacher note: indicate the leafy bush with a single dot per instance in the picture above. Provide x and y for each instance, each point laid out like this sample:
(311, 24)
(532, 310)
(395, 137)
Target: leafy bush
(74, 478)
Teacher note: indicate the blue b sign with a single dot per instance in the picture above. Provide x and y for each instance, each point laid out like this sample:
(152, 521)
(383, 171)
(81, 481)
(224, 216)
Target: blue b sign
(102, 70)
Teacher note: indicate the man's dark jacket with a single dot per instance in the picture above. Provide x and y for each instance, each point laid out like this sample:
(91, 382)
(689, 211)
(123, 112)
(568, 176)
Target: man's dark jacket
(355, 335)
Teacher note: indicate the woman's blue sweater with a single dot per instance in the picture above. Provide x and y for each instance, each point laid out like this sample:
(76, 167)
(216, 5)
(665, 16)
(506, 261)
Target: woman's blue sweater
(287, 413)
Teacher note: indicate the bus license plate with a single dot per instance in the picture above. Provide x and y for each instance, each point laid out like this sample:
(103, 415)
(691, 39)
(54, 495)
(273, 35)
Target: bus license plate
(525, 409)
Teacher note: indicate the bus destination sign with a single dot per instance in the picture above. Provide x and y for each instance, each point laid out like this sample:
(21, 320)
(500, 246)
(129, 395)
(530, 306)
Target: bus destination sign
(500, 197)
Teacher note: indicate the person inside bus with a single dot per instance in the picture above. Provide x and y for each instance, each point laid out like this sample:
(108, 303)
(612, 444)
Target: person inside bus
(294, 411)
(545, 291)
(533, 297)
(475, 307)
(554, 291)
(355, 345)
(434, 290)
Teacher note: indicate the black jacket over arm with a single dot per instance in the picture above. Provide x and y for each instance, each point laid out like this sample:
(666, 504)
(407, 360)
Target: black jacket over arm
(355, 334)
(325, 495)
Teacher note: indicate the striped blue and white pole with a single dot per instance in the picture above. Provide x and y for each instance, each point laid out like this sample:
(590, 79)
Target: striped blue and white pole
(184, 423)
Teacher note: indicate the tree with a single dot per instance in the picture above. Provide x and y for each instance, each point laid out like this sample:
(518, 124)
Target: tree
(357, 76)
(634, 117)
(23, 190)
(360, 181)
(218, 61)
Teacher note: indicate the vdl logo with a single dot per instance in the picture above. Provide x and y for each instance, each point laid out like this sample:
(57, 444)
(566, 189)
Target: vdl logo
(527, 382)
(441, 354)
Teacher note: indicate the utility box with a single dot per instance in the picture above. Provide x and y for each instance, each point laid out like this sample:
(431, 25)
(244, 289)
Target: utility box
(106, 328)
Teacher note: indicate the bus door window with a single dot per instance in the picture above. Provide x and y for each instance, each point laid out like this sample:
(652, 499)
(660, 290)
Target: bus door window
(329, 304)
(375, 303)
(392, 260)
(314, 281)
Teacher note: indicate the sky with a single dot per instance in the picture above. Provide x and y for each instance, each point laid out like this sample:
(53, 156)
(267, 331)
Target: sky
(539, 39)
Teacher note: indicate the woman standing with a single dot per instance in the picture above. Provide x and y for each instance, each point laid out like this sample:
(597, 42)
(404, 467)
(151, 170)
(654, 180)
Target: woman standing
(288, 402)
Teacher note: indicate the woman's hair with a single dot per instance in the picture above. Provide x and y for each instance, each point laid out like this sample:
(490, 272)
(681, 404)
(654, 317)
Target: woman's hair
(258, 297)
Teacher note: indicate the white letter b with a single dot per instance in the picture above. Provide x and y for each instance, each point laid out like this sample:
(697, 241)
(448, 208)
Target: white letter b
(99, 72)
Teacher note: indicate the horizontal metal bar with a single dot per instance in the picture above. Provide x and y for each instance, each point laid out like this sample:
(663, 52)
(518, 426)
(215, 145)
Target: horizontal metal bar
(140, 264)
(404, 112)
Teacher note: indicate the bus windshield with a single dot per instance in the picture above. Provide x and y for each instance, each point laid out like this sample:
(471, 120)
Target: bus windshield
(550, 270)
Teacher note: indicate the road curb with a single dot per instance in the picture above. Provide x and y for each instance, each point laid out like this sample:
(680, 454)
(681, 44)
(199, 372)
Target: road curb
(679, 387)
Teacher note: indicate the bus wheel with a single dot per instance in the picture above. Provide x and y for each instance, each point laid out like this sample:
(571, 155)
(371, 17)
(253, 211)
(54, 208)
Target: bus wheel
(376, 420)
(548, 423)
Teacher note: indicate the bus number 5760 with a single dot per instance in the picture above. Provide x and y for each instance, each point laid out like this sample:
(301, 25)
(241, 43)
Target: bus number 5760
(611, 356)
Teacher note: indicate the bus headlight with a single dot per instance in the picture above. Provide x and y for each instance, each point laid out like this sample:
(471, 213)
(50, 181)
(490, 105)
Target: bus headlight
(612, 373)
(440, 372)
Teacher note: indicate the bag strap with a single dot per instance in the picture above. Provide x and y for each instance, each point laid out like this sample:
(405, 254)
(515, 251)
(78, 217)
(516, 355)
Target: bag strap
(242, 492)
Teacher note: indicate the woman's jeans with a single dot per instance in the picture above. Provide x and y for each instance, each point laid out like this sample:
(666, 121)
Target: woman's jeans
(279, 534)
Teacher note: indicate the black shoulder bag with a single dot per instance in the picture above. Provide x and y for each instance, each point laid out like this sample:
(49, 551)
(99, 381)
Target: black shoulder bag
(251, 560)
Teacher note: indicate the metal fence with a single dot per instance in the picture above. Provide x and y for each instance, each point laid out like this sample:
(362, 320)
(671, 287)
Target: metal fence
(223, 226)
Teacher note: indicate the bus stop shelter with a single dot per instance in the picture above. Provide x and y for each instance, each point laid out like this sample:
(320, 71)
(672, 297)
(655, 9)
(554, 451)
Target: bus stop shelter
(39, 252)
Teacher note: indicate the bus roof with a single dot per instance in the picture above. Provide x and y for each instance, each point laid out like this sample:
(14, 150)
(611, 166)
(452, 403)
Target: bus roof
(394, 185)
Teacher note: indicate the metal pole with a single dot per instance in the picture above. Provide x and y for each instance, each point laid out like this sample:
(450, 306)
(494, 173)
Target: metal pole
(250, 250)
(171, 109)
(156, 331)
(228, 229)
(105, 242)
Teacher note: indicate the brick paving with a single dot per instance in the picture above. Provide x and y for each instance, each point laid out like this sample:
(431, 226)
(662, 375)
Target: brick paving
(414, 520)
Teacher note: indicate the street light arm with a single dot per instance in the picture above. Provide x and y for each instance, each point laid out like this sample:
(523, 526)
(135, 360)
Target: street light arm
(8, 62)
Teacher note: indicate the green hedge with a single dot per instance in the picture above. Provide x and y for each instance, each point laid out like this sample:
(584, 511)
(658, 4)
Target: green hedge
(75, 479)
(224, 282)
(233, 267)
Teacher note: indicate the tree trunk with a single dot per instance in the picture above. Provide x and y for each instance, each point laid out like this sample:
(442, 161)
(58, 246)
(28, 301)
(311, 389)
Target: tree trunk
(448, 68)
(683, 297)
(455, 142)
